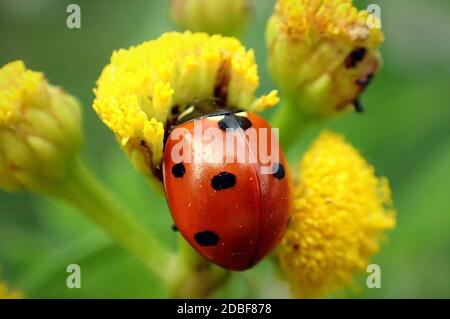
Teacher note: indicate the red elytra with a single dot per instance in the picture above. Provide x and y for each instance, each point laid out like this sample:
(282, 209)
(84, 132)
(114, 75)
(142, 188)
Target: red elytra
(231, 212)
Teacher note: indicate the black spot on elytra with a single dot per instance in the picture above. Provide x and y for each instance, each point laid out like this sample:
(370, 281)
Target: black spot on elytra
(178, 170)
(232, 121)
(174, 228)
(278, 171)
(223, 180)
(356, 56)
(206, 238)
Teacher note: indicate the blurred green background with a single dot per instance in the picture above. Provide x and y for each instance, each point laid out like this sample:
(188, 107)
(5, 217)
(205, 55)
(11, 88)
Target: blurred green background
(404, 133)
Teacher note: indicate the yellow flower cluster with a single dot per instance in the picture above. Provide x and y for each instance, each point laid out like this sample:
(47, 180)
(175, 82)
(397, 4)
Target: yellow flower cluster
(16, 85)
(40, 132)
(138, 90)
(341, 210)
(322, 53)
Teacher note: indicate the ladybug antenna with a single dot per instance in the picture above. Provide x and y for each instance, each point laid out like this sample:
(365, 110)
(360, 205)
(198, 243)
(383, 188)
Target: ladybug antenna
(203, 107)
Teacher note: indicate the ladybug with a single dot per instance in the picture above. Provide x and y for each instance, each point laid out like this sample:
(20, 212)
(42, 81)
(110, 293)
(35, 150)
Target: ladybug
(232, 212)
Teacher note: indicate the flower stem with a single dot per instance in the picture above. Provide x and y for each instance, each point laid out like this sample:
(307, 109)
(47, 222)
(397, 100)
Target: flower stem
(291, 122)
(195, 277)
(83, 191)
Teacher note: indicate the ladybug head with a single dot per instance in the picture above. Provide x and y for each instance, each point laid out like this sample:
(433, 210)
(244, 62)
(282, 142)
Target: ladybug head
(202, 108)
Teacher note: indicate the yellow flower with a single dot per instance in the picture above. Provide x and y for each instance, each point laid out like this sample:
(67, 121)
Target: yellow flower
(322, 53)
(341, 210)
(6, 293)
(227, 17)
(40, 130)
(143, 86)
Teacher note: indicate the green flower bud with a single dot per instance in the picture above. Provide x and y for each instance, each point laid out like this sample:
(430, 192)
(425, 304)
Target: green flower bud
(322, 53)
(40, 133)
(226, 17)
